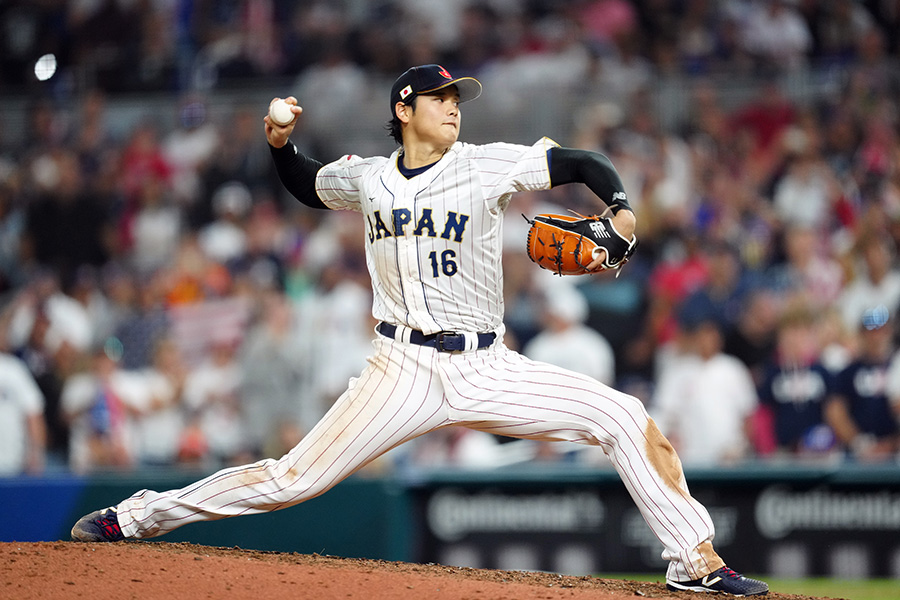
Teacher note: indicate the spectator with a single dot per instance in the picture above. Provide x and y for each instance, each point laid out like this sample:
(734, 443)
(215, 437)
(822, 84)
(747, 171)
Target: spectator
(42, 358)
(518, 73)
(522, 299)
(480, 35)
(776, 34)
(626, 72)
(808, 273)
(877, 279)
(752, 340)
(94, 146)
(158, 39)
(119, 289)
(143, 320)
(66, 225)
(875, 68)
(87, 291)
(858, 408)
(276, 374)
(95, 29)
(100, 405)
(57, 322)
(606, 21)
(682, 269)
(696, 33)
(189, 148)
(765, 119)
(23, 433)
(842, 28)
(345, 82)
(808, 192)
(841, 136)
(661, 163)
(565, 340)
(335, 325)
(243, 159)
(795, 387)
(142, 159)
(155, 226)
(726, 288)
(225, 238)
(160, 420)
(705, 399)
(212, 397)
(732, 53)
(192, 276)
(262, 265)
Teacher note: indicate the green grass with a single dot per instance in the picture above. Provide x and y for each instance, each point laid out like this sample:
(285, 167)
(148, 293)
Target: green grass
(851, 589)
(820, 587)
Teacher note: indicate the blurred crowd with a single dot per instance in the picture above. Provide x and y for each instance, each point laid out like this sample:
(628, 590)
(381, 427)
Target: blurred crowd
(130, 45)
(162, 303)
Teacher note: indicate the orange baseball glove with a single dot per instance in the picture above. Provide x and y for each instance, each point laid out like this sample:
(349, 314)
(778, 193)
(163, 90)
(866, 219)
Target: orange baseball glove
(567, 244)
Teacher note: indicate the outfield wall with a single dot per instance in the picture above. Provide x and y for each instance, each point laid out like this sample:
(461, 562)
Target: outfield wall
(836, 521)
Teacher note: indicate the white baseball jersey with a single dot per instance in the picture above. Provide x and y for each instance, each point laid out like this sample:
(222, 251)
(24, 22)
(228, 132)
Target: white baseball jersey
(20, 398)
(434, 241)
(434, 256)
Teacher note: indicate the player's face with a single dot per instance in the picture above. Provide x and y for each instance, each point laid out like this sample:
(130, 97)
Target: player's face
(436, 119)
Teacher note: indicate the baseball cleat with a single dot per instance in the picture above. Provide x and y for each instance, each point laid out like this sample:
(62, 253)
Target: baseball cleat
(98, 526)
(723, 581)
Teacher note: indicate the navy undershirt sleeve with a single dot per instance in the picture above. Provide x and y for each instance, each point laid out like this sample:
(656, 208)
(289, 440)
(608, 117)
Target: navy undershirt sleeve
(596, 171)
(298, 174)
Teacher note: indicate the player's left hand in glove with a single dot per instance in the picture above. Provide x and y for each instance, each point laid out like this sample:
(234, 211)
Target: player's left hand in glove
(576, 245)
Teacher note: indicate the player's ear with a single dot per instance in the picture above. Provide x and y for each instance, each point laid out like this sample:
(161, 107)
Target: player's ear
(403, 111)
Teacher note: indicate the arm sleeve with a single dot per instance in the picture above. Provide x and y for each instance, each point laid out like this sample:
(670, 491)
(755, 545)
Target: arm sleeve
(596, 171)
(298, 174)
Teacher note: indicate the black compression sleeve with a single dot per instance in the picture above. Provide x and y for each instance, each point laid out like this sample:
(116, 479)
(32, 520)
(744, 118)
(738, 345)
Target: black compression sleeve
(298, 174)
(596, 171)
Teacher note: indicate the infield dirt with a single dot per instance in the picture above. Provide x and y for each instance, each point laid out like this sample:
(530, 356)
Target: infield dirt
(168, 571)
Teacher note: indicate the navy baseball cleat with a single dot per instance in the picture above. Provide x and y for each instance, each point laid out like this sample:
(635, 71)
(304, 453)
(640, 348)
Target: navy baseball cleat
(723, 581)
(99, 526)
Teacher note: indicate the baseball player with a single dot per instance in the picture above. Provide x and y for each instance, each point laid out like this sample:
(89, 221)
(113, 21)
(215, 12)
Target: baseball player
(433, 214)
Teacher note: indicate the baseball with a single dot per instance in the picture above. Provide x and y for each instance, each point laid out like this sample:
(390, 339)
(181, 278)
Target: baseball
(280, 113)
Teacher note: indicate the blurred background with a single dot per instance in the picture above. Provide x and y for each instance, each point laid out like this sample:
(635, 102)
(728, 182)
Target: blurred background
(165, 306)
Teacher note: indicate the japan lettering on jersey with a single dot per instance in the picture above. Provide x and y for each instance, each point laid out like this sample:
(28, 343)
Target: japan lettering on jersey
(434, 241)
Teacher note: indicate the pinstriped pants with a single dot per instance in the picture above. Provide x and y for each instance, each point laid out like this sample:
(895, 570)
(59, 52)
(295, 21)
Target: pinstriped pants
(408, 390)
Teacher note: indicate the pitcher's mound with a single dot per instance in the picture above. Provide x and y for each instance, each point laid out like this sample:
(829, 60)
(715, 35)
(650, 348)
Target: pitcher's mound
(170, 571)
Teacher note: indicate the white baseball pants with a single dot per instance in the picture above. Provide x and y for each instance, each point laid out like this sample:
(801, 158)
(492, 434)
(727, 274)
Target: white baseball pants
(408, 390)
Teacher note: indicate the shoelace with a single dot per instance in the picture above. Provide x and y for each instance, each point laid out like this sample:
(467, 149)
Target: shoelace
(730, 573)
(110, 525)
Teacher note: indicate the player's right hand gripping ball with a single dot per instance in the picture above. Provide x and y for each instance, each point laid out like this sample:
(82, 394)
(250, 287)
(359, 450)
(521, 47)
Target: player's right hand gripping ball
(567, 244)
(280, 113)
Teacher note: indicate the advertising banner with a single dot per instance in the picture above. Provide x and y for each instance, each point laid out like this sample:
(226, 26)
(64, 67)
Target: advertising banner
(802, 528)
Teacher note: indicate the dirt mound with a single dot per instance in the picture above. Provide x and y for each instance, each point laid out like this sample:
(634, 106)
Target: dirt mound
(159, 570)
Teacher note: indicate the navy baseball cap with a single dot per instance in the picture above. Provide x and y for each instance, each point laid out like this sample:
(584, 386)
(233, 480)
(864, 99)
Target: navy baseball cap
(425, 79)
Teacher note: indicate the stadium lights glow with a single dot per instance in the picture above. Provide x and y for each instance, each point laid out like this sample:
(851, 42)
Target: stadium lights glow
(45, 67)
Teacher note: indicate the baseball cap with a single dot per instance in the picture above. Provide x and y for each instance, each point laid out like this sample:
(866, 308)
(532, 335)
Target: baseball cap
(697, 310)
(430, 78)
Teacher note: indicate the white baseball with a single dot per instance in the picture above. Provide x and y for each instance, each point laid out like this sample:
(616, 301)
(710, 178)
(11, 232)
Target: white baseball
(280, 112)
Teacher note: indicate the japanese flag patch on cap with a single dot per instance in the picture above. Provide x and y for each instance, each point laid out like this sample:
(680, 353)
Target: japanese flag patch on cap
(431, 78)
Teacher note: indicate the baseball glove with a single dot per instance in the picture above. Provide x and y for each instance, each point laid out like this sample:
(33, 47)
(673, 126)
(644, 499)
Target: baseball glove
(567, 244)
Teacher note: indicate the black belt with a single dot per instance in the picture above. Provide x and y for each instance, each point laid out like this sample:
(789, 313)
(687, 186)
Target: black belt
(444, 341)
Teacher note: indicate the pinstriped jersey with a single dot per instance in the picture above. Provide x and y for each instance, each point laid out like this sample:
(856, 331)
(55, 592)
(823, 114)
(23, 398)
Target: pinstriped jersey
(434, 241)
